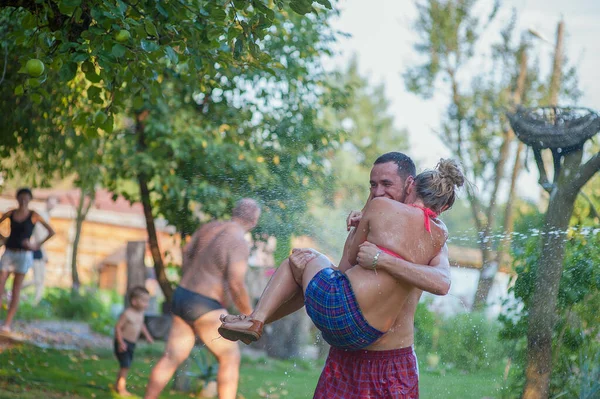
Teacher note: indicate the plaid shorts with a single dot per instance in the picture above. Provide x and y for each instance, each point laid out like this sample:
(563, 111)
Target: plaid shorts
(332, 306)
(391, 374)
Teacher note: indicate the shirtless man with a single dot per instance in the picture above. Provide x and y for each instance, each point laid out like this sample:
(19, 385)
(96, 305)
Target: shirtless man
(215, 263)
(392, 176)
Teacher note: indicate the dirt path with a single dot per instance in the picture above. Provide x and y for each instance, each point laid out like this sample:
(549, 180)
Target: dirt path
(57, 334)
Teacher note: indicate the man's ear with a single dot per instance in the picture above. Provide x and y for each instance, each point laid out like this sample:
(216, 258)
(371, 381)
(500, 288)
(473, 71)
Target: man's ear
(409, 185)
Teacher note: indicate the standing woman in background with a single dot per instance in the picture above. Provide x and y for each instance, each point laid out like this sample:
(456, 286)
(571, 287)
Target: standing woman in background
(18, 256)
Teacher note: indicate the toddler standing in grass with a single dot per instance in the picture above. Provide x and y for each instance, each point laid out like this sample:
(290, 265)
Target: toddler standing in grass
(127, 332)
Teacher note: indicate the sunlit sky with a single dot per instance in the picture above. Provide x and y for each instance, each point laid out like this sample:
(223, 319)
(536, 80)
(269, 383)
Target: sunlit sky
(382, 38)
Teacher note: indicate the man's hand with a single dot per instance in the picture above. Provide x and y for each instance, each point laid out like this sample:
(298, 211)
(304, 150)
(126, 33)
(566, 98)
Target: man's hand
(366, 254)
(122, 346)
(353, 219)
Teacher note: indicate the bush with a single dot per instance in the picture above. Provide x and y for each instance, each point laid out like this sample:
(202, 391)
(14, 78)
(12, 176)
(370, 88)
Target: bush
(470, 342)
(466, 341)
(88, 304)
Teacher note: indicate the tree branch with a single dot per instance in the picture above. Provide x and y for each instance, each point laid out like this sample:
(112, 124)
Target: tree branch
(5, 63)
(593, 210)
(585, 172)
(546, 185)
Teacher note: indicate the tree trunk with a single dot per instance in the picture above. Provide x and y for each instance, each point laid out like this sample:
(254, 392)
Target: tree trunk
(557, 65)
(543, 303)
(491, 263)
(504, 249)
(542, 312)
(136, 269)
(489, 266)
(79, 218)
(554, 90)
(159, 266)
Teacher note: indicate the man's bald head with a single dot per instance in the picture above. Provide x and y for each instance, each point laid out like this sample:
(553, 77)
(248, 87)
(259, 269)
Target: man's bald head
(247, 210)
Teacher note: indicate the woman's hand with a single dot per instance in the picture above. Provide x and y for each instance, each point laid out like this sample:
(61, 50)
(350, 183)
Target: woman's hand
(353, 219)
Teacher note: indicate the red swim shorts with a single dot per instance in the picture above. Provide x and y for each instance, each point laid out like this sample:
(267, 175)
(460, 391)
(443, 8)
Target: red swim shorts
(363, 374)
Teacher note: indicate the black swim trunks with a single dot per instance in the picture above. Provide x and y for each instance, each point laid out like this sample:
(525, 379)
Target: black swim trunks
(125, 358)
(190, 305)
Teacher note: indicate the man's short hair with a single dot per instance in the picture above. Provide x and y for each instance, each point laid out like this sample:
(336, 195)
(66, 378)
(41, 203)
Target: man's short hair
(24, 190)
(246, 209)
(406, 166)
(137, 292)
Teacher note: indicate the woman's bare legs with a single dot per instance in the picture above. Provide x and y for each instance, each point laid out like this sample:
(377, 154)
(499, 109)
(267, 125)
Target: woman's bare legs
(284, 294)
(282, 290)
(14, 300)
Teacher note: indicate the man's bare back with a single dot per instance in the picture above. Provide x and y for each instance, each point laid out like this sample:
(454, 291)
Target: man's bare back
(208, 255)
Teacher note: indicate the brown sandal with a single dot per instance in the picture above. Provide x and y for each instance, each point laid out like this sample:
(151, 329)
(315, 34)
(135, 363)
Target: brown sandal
(247, 335)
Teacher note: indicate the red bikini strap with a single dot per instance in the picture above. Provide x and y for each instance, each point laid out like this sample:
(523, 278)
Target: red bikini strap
(428, 214)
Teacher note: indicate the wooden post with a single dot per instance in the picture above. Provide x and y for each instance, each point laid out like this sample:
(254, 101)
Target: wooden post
(136, 269)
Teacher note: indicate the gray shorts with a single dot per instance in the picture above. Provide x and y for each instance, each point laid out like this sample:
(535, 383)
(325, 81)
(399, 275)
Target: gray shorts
(16, 261)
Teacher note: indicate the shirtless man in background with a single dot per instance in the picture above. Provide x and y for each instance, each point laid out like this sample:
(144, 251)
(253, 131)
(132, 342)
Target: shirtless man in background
(215, 264)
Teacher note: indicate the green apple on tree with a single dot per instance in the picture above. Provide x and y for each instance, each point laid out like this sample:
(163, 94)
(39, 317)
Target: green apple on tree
(34, 67)
(100, 117)
(122, 36)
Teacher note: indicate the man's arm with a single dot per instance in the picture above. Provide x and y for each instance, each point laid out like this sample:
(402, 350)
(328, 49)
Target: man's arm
(352, 220)
(237, 266)
(433, 278)
(344, 263)
(189, 250)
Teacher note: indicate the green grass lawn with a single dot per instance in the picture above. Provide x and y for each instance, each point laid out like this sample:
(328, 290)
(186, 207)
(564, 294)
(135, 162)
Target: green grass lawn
(28, 372)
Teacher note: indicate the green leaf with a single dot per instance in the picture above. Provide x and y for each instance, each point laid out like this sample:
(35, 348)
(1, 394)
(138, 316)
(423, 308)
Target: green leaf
(88, 67)
(108, 125)
(19, 90)
(79, 57)
(67, 72)
(93, 94)
(70, 3)
(150, 28)
(36, 98)
(33, 82)
(119, 50)
(301, 7)
(325, 3)
(93, 77)
(28, 22)
(239, 47)
(218, 13)
(138, 103)
(239, 4)
(122, 7)
(161, 10)
(149, 46)
(172, 55)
